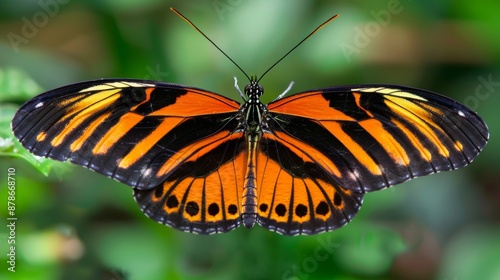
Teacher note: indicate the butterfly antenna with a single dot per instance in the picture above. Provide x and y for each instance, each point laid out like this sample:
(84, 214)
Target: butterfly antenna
(206, 37)
(300, 43)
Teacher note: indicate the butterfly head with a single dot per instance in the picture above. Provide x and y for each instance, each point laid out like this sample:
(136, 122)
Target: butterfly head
(254, 90)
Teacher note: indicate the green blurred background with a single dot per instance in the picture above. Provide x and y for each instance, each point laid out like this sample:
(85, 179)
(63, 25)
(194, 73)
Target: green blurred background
(75, 224)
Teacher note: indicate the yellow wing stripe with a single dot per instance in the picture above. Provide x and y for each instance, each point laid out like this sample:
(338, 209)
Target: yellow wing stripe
(391, 92)
(78, 143)
(95, 101)
(386, 140)
(65, 102)
(81, 111)
(420, 119)
(115, 85)
(41, 136)
(424, 152)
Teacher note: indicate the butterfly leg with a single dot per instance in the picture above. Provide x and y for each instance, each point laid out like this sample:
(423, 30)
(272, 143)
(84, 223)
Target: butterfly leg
(238, 89)
(285, 91)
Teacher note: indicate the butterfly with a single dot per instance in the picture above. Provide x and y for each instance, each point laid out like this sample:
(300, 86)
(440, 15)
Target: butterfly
(203, 163)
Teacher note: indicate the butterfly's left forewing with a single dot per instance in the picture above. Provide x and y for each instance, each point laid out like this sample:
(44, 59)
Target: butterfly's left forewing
(333, 145)
(176, 146)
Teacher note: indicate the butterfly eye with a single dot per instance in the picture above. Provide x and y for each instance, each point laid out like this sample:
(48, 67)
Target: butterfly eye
(260, 90)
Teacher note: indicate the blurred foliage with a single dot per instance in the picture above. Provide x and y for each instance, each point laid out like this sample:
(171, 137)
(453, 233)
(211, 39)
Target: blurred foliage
(75, 224)
(15, 85)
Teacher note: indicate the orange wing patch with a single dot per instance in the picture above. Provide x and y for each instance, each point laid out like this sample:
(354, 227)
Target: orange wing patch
(309, 105)
(197, 103)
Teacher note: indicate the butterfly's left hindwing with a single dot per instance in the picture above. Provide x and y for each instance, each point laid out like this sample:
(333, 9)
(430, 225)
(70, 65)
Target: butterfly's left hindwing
(176, 146)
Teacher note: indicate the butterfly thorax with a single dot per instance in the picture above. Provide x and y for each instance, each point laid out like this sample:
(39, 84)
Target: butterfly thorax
(253, 111)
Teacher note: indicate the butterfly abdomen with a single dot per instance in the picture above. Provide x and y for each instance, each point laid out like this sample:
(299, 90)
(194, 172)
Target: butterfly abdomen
(249, 202)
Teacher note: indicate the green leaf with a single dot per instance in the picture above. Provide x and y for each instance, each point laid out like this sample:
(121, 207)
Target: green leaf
(10, 147)
(472, 254)
(371, 253)
(16, 85)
